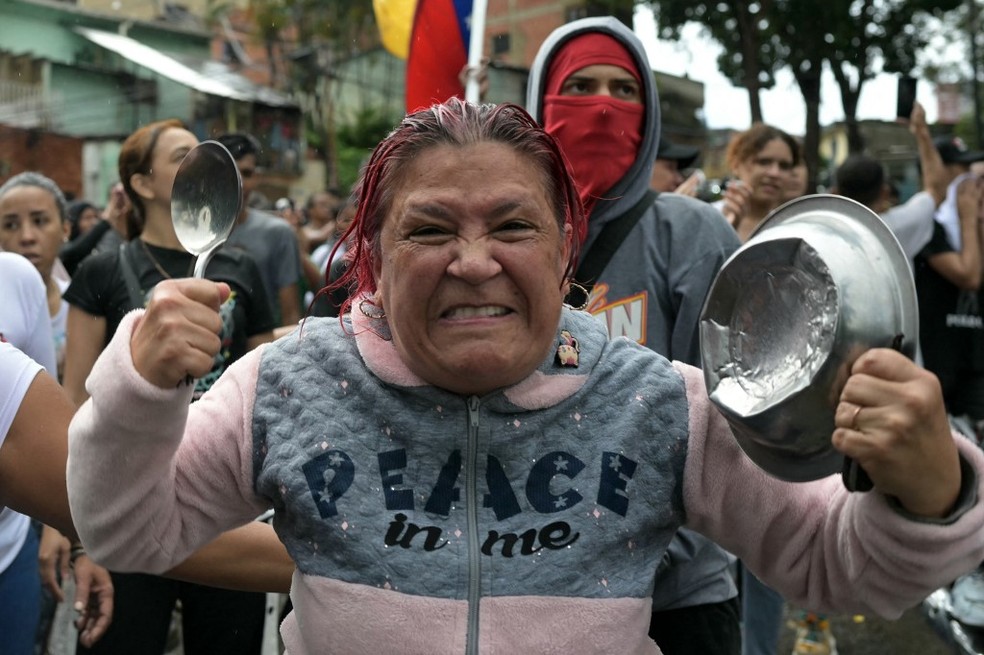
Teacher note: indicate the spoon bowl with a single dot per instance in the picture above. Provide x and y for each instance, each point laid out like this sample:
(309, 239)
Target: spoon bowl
(206, 199)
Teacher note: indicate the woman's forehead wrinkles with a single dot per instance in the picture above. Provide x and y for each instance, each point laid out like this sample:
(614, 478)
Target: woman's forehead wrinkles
(443, 211)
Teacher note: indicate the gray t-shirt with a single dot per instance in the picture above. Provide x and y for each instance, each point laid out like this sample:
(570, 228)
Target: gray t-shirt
(273, 246)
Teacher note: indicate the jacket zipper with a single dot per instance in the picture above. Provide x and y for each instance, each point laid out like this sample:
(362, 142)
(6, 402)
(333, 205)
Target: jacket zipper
(471, 505)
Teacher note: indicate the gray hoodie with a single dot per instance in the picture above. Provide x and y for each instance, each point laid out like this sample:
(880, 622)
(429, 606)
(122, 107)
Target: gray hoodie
(653, 289)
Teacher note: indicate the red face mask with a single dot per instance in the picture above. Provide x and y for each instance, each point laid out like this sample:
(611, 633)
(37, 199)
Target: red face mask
(600, 137)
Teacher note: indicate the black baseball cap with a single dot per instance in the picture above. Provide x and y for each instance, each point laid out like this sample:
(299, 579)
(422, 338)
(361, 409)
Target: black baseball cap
(685, 156)
(953, 150)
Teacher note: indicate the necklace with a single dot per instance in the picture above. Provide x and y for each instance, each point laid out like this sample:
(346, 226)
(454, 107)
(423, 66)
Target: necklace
(157, 264)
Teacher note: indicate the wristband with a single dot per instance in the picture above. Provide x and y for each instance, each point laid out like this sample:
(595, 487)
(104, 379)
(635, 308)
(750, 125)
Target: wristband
(77, 550)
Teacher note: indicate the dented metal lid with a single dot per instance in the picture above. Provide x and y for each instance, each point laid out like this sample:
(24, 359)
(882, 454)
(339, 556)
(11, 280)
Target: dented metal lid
(820, 281)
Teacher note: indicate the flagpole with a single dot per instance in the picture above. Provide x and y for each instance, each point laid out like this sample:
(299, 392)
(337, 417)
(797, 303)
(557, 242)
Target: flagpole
(476, 47)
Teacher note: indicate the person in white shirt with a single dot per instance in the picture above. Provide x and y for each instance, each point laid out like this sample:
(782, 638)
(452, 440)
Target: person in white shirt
(862, 178)
(25, 327)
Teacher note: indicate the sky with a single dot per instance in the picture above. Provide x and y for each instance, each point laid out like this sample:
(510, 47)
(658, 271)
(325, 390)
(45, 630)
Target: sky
(726, 106)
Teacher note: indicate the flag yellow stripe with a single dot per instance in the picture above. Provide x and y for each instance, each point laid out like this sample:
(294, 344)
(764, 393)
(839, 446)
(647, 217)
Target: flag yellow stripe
(395, 21)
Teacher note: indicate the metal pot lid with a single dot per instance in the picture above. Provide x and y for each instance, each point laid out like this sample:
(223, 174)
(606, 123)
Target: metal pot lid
(821, 280)
(844, 211)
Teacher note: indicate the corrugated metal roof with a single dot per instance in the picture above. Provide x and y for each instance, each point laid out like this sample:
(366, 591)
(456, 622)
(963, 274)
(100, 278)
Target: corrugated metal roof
(205, 75)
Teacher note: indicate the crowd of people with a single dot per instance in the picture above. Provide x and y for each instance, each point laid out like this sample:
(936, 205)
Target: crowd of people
(468, 394)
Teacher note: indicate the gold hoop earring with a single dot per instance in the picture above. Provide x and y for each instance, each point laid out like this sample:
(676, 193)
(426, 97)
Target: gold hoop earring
(584, 293)
(374, 312)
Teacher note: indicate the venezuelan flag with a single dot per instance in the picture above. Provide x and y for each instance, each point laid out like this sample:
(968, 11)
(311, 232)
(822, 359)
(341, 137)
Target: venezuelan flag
(395, 20)
(438, 51)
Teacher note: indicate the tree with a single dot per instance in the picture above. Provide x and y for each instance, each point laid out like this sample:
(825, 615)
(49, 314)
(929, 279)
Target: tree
(799, 44)
(862, 33)
(356, 141)
(270, 19)
(741, 27)
(962, 25)
(314, 36)
(851, 36)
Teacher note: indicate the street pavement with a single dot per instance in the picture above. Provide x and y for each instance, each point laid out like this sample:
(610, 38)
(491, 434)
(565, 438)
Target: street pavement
(912, 634)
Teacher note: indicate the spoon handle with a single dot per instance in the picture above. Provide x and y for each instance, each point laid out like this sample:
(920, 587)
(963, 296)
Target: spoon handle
(203, 259)
(200, 264)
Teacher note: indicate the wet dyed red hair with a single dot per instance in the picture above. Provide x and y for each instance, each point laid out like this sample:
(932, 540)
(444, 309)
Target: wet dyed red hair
(455, 123)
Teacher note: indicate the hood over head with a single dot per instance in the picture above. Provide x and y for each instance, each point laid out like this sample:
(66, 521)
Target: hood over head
(635, 182)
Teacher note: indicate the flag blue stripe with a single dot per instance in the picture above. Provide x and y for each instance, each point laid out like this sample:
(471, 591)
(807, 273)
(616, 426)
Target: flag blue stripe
(463, 11)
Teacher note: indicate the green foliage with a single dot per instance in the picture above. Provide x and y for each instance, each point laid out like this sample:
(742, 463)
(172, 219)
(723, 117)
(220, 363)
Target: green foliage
(350, 161)
(270, 18)
(744, 30)
(966, 129)
(215, 9)
(369, 128)
(761, 37)
(956, 27)
(314, 136)
(894, 30)
(355, 142)
(316, 35)
(620, 9)
(315, 20)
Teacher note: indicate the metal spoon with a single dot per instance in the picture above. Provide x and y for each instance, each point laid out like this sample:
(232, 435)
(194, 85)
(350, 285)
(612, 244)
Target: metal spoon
(206, 198)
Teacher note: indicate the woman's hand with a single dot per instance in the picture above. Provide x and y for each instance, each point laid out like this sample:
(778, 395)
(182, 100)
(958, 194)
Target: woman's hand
(53, 561)
(115, 210)
(690, 186)
(178, 335)
(891, 419)
(736, 196)
(93, 600)
(969, 196)
(480, 73)
(917, 119)
(315, 236)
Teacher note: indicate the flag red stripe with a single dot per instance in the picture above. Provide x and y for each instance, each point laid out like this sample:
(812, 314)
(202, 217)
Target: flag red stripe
(437, 55)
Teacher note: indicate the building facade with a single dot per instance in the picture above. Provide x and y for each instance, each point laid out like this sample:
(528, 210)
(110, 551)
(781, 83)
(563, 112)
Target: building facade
(95, 77)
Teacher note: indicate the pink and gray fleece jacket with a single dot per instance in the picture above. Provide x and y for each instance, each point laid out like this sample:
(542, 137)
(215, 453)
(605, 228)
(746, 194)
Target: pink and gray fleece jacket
(528, 520)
